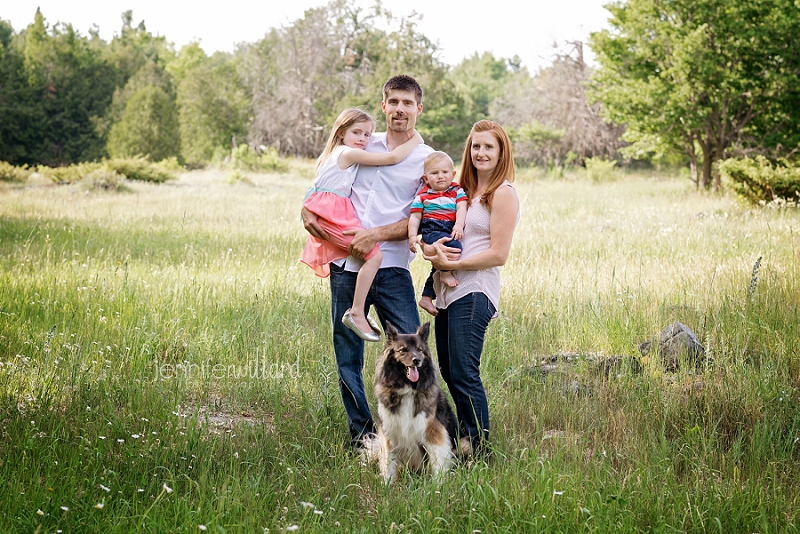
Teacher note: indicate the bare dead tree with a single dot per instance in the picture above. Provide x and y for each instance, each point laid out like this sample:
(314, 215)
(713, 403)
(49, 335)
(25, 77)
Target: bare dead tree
(551, 107)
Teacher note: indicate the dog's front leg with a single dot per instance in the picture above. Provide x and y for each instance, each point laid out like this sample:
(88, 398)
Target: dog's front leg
(387, 459)
(441, 458)
(390, 470)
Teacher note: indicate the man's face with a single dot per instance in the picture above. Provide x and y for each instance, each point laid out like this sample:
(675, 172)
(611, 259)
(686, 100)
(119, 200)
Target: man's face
(401, 110)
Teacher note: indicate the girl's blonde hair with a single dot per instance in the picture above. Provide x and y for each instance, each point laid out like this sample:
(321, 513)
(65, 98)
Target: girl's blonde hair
(345, 120)
(504, 171)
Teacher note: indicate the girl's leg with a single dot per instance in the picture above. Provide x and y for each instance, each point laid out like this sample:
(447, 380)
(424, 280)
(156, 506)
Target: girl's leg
(364, 281)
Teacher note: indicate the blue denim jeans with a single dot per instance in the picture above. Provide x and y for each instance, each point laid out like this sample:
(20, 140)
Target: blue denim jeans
(460, 330)
(433, 230)
(392, 294)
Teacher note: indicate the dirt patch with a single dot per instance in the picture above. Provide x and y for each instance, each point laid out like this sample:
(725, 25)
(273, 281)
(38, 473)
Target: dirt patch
(220, 419)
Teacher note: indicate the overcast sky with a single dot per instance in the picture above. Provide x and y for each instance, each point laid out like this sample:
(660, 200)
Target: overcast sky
(461, 27)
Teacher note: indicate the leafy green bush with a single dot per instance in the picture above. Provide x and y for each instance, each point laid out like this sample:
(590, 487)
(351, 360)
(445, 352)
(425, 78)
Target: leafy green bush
(236, 176)
(245, 158)
(137, 168)
(69, 174)
(141, 169)
(10, 173)
(600, 169)
(105, 180)
(758, 181)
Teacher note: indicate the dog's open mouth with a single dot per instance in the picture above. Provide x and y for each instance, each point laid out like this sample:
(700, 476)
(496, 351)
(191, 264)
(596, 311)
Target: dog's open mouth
(412, 373)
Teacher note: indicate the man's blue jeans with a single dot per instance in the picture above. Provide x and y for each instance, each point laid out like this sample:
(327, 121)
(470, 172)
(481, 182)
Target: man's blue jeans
(460, 331)
(392, 294)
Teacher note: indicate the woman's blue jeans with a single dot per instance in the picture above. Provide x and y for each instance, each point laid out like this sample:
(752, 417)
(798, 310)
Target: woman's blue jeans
(460, 331)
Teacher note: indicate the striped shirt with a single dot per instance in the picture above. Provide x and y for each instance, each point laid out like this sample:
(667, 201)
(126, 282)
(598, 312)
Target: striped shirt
(439, 205)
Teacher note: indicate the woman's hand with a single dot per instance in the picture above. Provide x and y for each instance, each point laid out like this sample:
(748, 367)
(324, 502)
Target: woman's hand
(441, 257)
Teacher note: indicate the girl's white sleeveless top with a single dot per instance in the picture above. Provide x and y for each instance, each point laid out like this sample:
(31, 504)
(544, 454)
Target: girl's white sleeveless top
(332, 179)
(477, 238)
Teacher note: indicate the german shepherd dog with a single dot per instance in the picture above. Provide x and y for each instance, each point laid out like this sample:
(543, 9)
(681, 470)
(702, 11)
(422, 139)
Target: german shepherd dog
(416, 421)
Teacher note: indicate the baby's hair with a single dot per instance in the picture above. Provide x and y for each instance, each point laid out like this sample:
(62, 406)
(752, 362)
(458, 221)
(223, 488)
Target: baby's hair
(345, 120)
(436, 157)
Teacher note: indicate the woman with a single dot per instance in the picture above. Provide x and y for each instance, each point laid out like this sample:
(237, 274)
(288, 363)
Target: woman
(464, 311)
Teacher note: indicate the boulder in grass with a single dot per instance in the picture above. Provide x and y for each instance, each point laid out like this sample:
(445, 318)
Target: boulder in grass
(673, 343)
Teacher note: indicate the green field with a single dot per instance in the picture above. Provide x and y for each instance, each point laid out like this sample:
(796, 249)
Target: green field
(166, 366)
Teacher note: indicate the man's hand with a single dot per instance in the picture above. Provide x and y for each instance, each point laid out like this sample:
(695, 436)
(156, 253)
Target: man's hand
(363, 242)
(311, 224)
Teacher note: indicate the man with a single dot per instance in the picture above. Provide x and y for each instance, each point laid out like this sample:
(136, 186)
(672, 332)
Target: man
(382, 198)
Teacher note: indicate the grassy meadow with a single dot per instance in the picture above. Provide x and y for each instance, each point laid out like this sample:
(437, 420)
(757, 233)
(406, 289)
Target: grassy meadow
(166, 366)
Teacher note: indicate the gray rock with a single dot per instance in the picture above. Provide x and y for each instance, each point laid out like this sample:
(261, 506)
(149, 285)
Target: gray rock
(674, 342)
(614, 366)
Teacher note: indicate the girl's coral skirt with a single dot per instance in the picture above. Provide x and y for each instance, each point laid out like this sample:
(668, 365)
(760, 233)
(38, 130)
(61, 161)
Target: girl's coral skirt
(330, 207)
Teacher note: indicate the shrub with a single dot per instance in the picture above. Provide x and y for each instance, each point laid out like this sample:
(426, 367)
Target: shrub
(70, 174)
(236, 176)
(759, 182)
(243, 157)
(600, 170)
(141, 169)
(105, 180)
(137, 168)
(10, 173)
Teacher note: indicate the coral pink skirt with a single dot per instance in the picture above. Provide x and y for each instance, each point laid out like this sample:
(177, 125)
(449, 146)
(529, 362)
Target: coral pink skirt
(336, 214)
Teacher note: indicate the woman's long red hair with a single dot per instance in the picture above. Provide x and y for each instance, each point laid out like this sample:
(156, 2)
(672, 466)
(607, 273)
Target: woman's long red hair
(504, 171)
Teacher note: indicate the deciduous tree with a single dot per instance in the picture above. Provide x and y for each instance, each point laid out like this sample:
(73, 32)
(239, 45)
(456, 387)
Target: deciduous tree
(720, 76)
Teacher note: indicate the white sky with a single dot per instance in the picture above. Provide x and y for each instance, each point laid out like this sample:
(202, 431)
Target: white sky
(461, 27)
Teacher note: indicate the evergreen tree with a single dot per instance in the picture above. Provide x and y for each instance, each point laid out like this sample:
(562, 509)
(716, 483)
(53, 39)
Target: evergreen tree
(21, 116)
(148, 126)
(74, 86)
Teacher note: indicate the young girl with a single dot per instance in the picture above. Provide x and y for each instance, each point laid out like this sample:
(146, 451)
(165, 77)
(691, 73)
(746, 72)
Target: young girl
(329, 199)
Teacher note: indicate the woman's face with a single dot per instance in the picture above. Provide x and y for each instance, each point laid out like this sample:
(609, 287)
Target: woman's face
(485, 152)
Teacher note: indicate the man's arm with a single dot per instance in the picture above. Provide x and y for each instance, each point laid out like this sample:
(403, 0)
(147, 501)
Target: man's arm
(312, 226)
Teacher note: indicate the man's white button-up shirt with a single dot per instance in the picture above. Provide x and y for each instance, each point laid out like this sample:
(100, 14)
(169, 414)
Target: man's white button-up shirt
(383, 195)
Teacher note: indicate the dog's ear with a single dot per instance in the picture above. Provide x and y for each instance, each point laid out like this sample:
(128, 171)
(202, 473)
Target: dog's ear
(391, 331)
(423, 331)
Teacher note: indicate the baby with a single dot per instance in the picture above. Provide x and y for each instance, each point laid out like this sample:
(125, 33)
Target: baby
(438, 211)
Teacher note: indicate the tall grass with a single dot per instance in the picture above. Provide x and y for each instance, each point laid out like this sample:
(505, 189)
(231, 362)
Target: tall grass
(166, 365)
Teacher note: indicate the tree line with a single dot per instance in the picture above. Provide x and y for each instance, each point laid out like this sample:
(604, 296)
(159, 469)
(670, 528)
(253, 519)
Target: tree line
(67, 97)
(687, 82)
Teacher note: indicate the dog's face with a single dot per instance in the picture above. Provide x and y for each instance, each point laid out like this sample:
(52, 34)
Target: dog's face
(406, 355)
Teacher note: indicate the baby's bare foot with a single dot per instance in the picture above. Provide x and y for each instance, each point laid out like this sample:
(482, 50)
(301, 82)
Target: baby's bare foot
(447, 278)
(426, 303)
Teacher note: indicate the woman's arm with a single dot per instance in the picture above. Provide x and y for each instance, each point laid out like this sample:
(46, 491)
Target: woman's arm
(352, 156)
(503, 221)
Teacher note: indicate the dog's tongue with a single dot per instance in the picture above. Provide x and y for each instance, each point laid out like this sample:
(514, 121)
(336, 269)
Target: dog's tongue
(413, 373)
